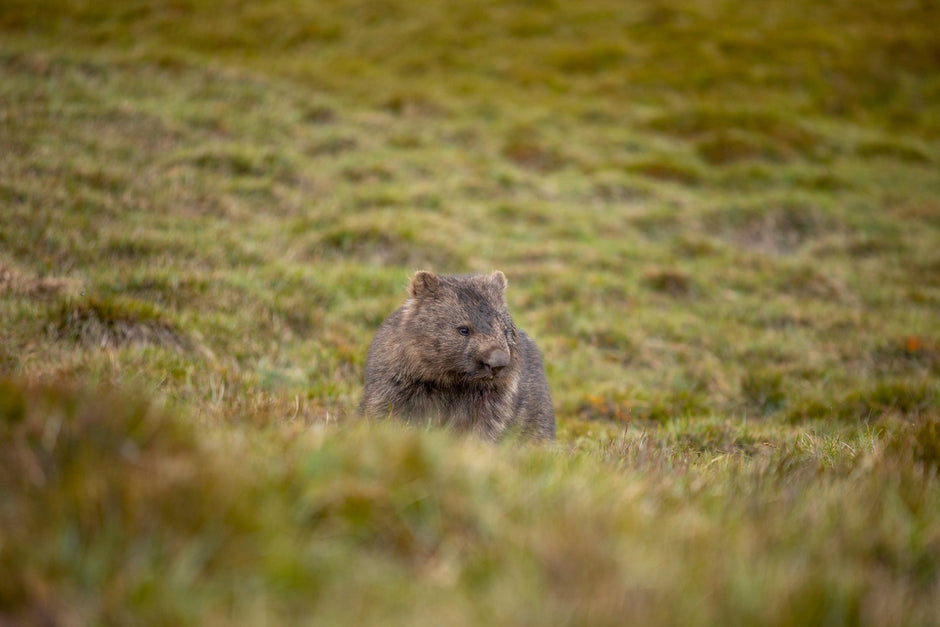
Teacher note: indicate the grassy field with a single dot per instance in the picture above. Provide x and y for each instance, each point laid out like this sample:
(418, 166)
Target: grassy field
(719, 220)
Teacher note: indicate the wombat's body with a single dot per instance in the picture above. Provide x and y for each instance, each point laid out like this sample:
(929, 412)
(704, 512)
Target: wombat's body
(452, 355)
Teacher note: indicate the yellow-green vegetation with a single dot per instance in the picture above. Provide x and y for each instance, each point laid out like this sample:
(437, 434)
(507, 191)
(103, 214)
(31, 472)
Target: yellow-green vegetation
(719, 220)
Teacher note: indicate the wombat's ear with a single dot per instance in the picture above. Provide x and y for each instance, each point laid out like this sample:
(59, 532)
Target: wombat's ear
(424, 284)
(498, 279)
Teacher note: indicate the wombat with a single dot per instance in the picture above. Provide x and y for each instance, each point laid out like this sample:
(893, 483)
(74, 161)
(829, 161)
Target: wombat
(451, 355)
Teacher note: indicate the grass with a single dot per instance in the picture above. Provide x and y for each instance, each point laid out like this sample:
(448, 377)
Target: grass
(720, 222)
(140, 515)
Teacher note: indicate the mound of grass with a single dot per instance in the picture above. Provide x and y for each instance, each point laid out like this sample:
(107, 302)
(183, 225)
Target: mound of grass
(668, 281)
(524, 148)
(666, 169)
(892, 150)
(724, 134)
(15, 282)
(115, 322)
(724, 147)
(775, 226)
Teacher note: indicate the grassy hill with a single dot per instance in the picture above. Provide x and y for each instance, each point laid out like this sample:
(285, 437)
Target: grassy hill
(719, 220)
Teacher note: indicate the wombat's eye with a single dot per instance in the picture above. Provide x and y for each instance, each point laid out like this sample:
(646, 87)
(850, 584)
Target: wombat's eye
(463, 330)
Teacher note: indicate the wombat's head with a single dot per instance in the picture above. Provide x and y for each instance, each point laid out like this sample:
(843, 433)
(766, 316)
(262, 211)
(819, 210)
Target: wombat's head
(459, 329)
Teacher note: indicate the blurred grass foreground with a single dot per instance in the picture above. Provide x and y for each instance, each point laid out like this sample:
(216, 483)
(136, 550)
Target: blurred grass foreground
(719, 220)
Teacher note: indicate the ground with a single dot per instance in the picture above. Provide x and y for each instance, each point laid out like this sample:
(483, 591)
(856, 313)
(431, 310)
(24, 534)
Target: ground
(720, 221)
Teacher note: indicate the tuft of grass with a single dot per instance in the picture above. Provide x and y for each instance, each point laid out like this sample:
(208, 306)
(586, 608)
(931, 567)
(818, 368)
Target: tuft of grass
(666, 169)
(668, 281)
(892, 397)
(724, 133)
(589, 59)
(104, 323)
(764, 392)
(525, 148)
(779, 227)
(892, 150)
(919, 443)
(15, 282)
(728, 147)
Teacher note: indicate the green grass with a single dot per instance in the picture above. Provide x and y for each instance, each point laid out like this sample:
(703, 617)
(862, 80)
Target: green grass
(719, 221)
(117, 512)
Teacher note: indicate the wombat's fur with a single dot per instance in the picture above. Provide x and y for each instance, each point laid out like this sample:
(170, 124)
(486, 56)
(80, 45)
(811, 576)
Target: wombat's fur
(452, 355)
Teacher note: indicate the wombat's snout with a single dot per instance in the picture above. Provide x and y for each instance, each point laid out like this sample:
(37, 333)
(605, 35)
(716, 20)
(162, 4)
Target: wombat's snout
(496, 360)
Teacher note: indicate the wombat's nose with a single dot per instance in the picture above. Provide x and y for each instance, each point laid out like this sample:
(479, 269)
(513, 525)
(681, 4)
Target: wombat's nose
(497, 360)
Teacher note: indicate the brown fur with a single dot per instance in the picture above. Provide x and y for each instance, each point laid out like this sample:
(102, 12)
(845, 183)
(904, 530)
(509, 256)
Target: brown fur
(452, 355)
